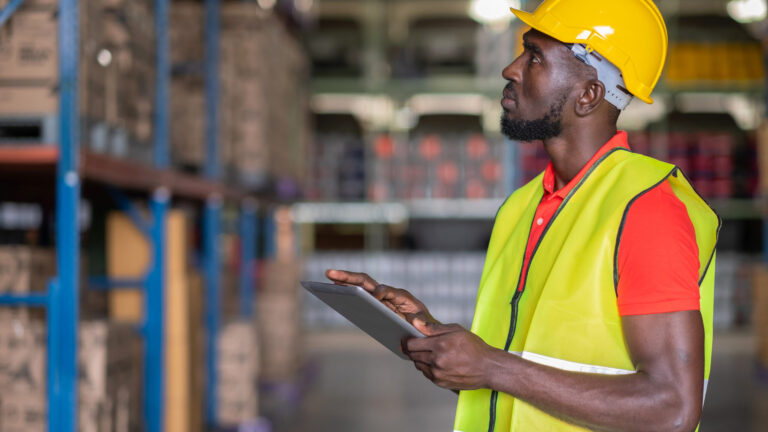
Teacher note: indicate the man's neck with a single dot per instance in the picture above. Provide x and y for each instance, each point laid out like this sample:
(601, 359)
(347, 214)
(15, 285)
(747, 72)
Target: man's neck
(572, 149)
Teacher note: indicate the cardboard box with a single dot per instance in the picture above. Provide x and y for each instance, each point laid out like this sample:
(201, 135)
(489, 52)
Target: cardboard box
(28, 100)
(22, 356)
(186, 32)
(187, 122)
(28, 46)
(23, 413)
(25, 269)
(109, 376)
(128, 257)
(238, 373)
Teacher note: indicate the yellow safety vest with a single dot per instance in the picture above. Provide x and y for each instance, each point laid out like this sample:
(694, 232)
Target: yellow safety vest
(567, 316)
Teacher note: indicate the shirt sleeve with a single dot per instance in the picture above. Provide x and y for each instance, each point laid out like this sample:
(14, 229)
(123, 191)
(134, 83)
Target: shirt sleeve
(658, 261)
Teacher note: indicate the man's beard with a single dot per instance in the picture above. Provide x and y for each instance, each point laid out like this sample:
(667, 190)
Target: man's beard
(548, 126)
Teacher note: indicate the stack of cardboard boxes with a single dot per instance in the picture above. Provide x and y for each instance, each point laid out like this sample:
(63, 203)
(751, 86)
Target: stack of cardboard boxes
(238, 373)
(278, 307)
(129, 41)
(262, 105)
(29, 64)
(22, 375)
(244, 102)
(109, 357)
(109, 391)
(116, 73)
(109, 364)
(187, 105)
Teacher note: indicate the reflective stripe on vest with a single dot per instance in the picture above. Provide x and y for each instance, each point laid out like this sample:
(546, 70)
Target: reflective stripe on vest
(566, 316)
(571, 366)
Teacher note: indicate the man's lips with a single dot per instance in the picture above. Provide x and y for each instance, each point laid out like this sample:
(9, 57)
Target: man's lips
(508, 101)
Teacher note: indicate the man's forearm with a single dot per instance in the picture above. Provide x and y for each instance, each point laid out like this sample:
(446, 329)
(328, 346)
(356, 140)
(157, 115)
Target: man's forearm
(599, 402)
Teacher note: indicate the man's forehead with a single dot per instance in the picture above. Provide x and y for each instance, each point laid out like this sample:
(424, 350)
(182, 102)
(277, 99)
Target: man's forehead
(541, 39)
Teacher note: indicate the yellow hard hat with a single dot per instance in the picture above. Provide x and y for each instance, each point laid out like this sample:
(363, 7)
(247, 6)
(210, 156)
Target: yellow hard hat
(631, 34)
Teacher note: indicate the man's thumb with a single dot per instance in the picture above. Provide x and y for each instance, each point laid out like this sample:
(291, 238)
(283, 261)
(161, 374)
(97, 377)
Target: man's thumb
(423, 326)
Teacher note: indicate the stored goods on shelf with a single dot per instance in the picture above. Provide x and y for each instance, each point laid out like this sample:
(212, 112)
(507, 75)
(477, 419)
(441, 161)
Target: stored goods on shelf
(715, 63)
(116, 74)
(280, 332)
(238, 354)
(109, 361)
(437, 166)
(25, 269)
(29, 62)
(262, 105)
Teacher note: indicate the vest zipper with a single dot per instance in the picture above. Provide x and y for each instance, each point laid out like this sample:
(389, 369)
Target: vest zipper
(519, 292)
(510, 335)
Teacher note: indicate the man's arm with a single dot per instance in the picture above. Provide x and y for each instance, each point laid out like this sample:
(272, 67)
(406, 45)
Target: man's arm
(664, 395)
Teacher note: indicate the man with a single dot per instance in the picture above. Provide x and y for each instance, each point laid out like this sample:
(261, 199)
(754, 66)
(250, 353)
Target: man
(595, 306)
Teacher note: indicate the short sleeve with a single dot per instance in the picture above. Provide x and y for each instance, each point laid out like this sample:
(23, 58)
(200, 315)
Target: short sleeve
(658, 258)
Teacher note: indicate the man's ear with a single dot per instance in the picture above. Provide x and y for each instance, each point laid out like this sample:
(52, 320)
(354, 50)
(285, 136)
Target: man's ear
(590, 99)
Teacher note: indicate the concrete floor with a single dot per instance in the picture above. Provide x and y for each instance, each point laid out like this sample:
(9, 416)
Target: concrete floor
(360, 386)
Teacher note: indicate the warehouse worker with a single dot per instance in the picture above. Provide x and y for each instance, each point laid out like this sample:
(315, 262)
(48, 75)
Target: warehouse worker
(595, 306)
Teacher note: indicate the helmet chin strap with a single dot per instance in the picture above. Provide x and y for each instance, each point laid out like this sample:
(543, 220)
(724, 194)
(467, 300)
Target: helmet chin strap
(616, 92)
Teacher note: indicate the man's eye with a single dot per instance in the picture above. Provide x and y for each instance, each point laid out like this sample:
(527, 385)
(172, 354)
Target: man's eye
(535, 59)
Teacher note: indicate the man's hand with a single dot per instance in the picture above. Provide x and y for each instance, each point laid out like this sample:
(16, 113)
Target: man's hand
(450, 356)
(399, 300)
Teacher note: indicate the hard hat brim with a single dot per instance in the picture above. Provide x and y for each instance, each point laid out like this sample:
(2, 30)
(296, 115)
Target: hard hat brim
(530, 21)
(524, 16)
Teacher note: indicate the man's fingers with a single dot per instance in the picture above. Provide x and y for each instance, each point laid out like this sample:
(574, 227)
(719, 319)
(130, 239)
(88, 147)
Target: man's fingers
(344, 277)
(429, 328)
(381, 291)
(414, 345)
(425, 369)
(421, 357)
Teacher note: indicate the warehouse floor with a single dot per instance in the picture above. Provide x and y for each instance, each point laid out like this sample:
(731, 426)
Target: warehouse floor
(360, 386)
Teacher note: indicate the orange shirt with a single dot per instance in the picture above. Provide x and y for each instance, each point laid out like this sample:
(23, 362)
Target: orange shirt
(658, 256)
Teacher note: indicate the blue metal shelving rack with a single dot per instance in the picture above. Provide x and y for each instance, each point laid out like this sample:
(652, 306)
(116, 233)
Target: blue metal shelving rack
(61, 298)
(212, 212)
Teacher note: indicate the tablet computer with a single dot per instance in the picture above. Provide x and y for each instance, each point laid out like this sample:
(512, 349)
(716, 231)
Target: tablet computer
(363, 310)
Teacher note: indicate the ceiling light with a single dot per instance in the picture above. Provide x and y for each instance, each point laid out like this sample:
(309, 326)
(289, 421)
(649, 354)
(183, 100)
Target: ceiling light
(746, 11)
(492, 11)
(104, 57)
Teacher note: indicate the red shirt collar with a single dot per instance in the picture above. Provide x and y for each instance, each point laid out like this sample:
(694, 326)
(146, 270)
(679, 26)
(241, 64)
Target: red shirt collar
(618, 140)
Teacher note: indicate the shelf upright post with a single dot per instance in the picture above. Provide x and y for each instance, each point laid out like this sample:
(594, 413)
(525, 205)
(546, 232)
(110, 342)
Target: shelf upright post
(63, 310)
(154, 316)
(247, 255)
(154, 294)
(212, 269)
(212, 212)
